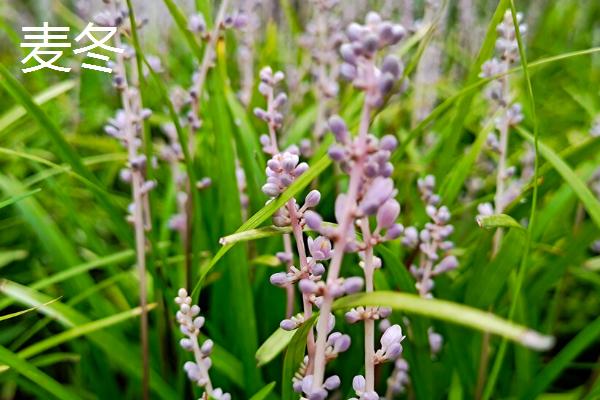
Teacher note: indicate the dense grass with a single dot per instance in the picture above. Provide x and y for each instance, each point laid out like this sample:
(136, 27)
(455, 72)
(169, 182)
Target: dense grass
(69, 288)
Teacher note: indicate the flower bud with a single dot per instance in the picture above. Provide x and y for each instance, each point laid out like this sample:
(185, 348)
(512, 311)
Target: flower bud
(388, 213)
(312, 199)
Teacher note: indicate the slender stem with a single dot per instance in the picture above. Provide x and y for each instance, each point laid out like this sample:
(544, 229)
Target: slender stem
(137, 180)
(289, 289)
(299, 238)
(340, 244)
(369, 323)
(200, 363)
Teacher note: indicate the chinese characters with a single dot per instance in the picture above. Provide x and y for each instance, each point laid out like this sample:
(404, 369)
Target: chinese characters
(47, 44)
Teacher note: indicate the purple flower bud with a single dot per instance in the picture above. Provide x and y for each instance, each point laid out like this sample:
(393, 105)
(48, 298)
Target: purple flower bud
(447, 264)
(279, 279)
(399, 33)
(388, 143)
(393, 351)
(336, 153)
(289, 161)
(435, 341)
(353, 284)
(388, 213)
(380, 191)
(352, 316)
(339, 128)
(392, 335)
(266, 73)
(372, 18)
(270, 189)
(359, 383)
(348, 71)
(260, 113)
(347, 53)
(300, 169)
(370, 43)
(207, 347)
(288, 325)
(312, 199)
(331, 383)
(354, 31)
(307, 286)
(318, 269)
(341, 343)
(313, 220)
(394, 232)
(284, 257)
(386, 83)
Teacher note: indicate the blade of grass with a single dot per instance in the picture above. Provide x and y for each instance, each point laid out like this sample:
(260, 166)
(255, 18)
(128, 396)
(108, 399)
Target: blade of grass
(14, 199)
(493, 376)
(64, 150)
(451, 312)
(552, 370)
(18, 313)
(273, 346)
(18, 112)
(35, 375)
(265, 212)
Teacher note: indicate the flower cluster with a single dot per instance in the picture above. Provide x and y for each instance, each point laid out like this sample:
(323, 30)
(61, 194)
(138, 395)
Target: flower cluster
(366, 160)
(434, 245)
(359, 53)
(190, 322)
(509, 115)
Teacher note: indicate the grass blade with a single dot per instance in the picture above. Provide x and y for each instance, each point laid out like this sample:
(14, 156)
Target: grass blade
(450, 312)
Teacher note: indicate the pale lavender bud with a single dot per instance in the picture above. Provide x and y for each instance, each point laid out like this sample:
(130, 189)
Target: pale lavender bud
(447, 264)
(197, 23)
(392, 335)
(331, 383)
(336, 153)
(186, 344)
(313, 220)
(207, 347)
(388, 142)
(284, 257)
(353, 284)
(270, 189)
(380, 191)
(339, 128)
(435, 341)
(300, 169)
(388, 213)
(359, 383)
(318, 269)
(341, 343)
(307, 286)
(348, 71)
(312, 199)
(279, 279)
(288, 325)
(394, 232)
(353, 316)
(411, 237)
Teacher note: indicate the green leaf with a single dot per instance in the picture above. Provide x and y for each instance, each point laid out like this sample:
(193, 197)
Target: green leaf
(450, 312)
(18, 112)
(273, 346)
(35, 375)
(268, 210)
(64, 150)
(294, 356)
(16, 314)
(8, 256)
(264, 392)
(117, 350)
(497, 221)
(553, 369)
(78, 331)
(590, 202)
(18, 197)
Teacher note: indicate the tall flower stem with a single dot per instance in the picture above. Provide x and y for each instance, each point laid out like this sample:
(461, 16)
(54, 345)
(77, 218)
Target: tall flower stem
(198, 89)
(340, 244)
(307, 306)
(132, 103)
(369, 322)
